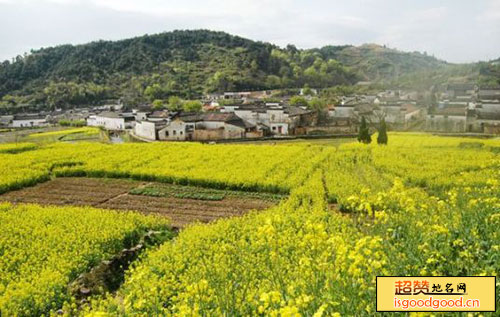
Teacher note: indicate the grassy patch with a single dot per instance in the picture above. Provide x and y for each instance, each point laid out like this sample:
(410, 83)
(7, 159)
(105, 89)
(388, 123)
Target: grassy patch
(192, 192)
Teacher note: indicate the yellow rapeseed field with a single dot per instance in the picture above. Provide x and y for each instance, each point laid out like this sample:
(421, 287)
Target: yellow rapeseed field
(422, 205)
(82, 130)
(42, 249)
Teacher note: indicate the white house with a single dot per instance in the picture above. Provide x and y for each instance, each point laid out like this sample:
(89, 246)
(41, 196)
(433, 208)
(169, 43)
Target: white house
(140, 115)
(149, 130)
(391, 112)
(411, 113)
(220, 126)
(25, 121)
(92, 120)
(208, 126)
(489, 106)
(489, 93)
(479, 120)
(278, 119)
(177, 130)
(112, 120)
(342, 111)
(450, 119)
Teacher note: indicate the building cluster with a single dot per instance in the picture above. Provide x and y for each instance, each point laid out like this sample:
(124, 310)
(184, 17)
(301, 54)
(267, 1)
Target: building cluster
(466, 108)
(47, 118)
(400, 109)
(235, 121)
(246, 115)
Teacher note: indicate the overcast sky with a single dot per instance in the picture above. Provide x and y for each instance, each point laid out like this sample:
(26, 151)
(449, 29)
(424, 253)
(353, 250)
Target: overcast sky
(454, 30)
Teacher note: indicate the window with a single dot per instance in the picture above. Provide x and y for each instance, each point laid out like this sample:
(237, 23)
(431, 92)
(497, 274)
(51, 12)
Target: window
(166, 133)
(181, 132)
(274, 128)
(174, 132)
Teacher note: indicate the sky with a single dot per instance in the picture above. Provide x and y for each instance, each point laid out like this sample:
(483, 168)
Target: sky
(454, 30)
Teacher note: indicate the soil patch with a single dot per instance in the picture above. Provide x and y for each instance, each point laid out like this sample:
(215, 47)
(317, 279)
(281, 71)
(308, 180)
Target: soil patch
(116, 194)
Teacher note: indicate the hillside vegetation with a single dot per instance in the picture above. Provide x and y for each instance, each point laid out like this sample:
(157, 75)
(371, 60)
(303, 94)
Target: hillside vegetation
(190, 63)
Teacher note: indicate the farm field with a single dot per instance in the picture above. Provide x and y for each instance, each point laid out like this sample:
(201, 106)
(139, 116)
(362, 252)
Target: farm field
(182, 205)
(324, 141)
(44, 248)
(52, 134)
(422, 205)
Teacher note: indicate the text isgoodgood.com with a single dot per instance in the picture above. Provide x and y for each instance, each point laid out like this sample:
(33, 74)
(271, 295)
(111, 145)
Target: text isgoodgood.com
(435, 303)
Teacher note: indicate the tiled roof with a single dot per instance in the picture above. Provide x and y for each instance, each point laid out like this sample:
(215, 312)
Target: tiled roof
(109, 114)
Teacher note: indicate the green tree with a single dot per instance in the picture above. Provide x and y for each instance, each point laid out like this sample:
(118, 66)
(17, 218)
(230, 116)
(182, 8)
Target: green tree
(382, 133)
(174, 103)
(158, 104)
(154, 92)
(364, 133)
(307, 90)
(219, 82)
(298, 101)
(273, 81)
(320, 106)
(317, 104)
(192, 106)
(65, 94)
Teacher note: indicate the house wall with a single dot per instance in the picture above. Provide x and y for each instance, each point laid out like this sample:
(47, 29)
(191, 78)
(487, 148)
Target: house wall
(208, 135)
(485, 126)
(343, 112)
(392, 114)
(489, 92)
(233, 132)
(491, 107)
(263, 118)
(492, 129)
(275, 128)
(248, 115)
(140, 116)
(92, 121)
(412, 116)
(130, 124)
(175, 131)
(228, 131)
(145, 130)
(111, 123)
(254, 134)
(211, 125)
(446, 124)
(29, 123)
(277, 116)
(326, 129)
(307, 119)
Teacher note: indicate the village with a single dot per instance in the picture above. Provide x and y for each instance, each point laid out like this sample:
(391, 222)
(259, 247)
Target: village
(456, 108)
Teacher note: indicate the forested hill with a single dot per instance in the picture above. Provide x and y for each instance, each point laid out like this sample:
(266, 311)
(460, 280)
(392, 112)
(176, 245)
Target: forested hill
(375, 62)
(188, 64)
